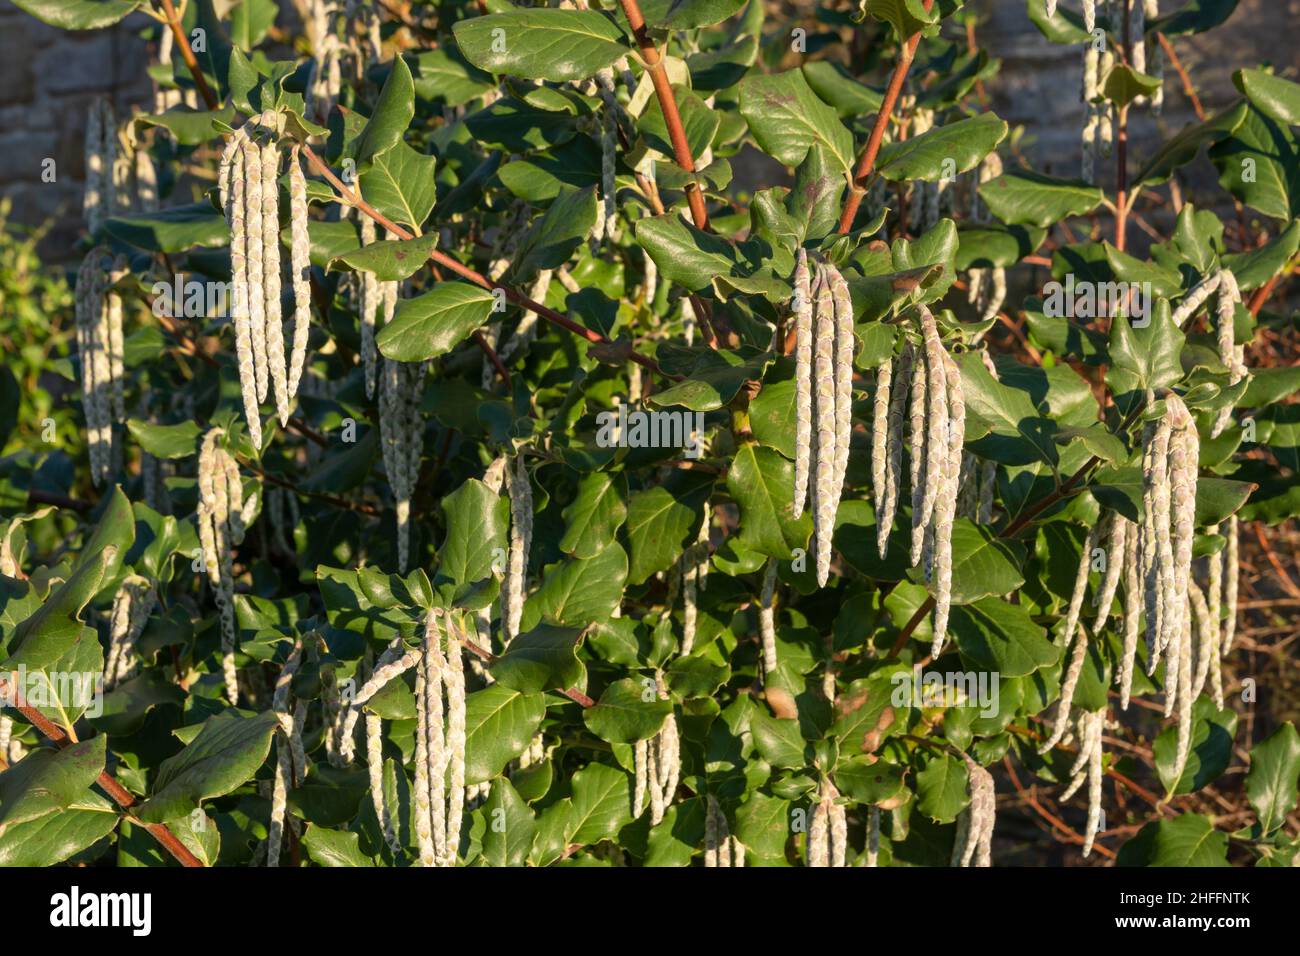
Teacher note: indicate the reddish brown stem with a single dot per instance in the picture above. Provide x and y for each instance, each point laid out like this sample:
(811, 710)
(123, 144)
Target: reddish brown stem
(654, 64)
(119, 794)
(1121, 176)
(1177, 64)
(465, 272)
(858, 187)
(187, 53)
(492, 356)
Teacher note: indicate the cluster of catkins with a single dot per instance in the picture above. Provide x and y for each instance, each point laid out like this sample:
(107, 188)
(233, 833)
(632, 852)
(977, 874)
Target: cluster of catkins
(439, 798)
(975, 824)
(290, 754)
(690, 575)
(720, 847)
(223, 514)
(402, 429)
(250, 195)
(520, 491)
(100, 345)
(1088, 727)
(132, 604)
(987, 288)
(824, 348)
(936, 415)
(1098, 61)
(657, 762)
(828, 829)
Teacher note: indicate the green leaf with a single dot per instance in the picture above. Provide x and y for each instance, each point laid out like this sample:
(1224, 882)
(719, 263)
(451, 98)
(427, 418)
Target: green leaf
(779, 741)
(400, 183)
(544, 658)
(390, 260)
(1195, 16)
(1019, 434)
(993, 245)
(393, 113)
(601, 804)
(1185, 840)
(499, 725)
(1211, 751)
(996, 636)
(1273, 777)
(1260, 165)
(685, 255)
(554, 237)
(1271, 95)
(579, 591)
(172, 230)
(1024, 198)
(943, 151)
(444, 75)
(627, 712)
(905, 16)
(1182, 148)
(595, 515)
(689, 14)
(434, 322)
(541, 44)
(869, 780)
(190, 127)
(510, 826)
(53, 632)
(1145, 358)
(477, 522)
(334, 847)
(763, 826)
(762, 483)
(660, 521)
(47, 781)
(787, 118)
(715, 379)
(833, 84)
(226, 754)
(941, 788)
(983, 564)
(78, 14)
(165, 441)
(55, 837)
(699, 123)
(1123, 85)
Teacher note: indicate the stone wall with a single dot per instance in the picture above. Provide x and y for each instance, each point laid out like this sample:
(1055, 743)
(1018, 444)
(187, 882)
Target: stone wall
(49, 76)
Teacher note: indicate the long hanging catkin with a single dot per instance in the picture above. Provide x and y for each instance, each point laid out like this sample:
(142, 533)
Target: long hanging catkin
(802, 306)
(283, 754)
(945, 507)
(825, 452)
(401, 431)
(975, 825)
(1233, 356)
(439, 797)
(236, 175)
(767, 619)
(300, 268)
(99, 344)
(101, 157)
(132, 604)
(520, 489)
(221, 529)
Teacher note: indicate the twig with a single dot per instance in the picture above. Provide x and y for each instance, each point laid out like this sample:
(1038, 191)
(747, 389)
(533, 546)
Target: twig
(654, 65)
(465, 272)
(857, 188)
(107, 782)
(1177, 64)
(187, 54)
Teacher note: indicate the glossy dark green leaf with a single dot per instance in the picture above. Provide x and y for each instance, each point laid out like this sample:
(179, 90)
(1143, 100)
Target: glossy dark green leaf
(541, 44)
(225, 754)
(627, 711)
(435, 322)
